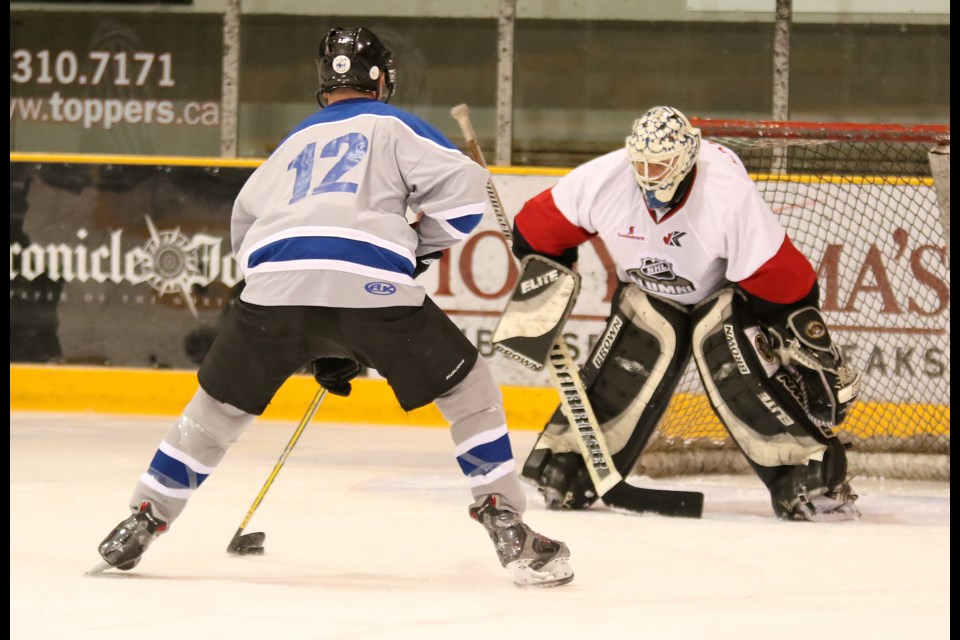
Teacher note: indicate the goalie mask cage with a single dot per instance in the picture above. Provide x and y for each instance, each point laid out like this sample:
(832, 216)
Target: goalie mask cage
(869, 206)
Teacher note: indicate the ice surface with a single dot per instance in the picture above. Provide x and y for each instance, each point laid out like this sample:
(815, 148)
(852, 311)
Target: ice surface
(368, 538)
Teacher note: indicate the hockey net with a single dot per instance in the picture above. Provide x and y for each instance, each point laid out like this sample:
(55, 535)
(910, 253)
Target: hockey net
(869, 205)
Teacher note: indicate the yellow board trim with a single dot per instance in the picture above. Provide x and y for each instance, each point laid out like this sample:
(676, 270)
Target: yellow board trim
(166, 392)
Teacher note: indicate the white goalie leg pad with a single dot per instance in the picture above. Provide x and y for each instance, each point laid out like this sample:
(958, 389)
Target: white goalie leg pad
(630, 376)
(188, 454)
(735, 363)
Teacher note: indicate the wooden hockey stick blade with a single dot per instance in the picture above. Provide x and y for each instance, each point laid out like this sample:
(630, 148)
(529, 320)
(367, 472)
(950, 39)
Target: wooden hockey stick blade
(677, 504)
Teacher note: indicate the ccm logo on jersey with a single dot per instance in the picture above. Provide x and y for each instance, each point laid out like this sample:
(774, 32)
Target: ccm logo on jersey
(540, 281)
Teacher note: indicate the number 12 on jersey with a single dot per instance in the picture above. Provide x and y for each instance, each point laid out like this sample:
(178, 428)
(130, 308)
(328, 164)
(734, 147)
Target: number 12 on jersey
(352, 146)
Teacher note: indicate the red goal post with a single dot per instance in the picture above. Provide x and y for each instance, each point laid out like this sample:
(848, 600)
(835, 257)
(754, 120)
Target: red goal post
(869, 205)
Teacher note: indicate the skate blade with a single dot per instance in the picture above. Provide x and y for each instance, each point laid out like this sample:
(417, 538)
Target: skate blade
(98, 569)
(825, 509)
(837, 515)
(555, 573)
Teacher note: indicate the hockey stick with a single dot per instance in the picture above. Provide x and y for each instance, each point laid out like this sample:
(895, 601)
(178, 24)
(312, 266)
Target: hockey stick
(613, 489)
(251, 544)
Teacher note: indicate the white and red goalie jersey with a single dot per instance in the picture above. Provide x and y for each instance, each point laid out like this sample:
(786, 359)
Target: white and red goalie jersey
(721, 231)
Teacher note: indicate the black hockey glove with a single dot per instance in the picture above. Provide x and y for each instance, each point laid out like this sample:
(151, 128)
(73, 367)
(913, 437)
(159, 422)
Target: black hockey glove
(424, 262)
(831, 386)
(335, 374)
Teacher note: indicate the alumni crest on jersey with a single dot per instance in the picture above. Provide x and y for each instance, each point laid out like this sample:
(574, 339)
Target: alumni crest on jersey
(657, 276)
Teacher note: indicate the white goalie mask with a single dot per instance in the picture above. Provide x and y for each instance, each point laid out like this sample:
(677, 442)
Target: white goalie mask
(663, 149)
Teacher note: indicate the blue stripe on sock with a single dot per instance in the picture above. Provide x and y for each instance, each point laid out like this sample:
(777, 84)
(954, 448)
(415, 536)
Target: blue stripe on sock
(173, 473)
(484, 458)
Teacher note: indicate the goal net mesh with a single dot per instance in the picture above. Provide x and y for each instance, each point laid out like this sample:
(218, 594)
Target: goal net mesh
(861, 202)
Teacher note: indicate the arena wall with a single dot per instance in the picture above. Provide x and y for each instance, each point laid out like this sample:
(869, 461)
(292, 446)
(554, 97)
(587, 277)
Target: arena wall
(120, 270)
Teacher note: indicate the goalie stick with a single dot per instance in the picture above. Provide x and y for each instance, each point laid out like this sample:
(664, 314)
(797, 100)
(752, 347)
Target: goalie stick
(613, 490)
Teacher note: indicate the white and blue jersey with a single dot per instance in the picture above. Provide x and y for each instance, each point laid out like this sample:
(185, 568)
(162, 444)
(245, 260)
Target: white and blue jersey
(323, 221)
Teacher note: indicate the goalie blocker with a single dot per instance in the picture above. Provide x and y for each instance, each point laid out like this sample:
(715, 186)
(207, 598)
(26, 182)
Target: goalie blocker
(537, 311)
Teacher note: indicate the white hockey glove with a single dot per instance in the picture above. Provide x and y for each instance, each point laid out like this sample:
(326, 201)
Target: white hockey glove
(805, 348)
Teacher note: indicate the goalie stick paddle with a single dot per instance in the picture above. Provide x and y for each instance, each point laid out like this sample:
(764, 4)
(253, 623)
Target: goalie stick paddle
(251, 544)
(614, 491)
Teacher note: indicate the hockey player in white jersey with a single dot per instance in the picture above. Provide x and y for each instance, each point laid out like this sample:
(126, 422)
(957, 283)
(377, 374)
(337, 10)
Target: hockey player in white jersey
(704, 267)
(330, 260)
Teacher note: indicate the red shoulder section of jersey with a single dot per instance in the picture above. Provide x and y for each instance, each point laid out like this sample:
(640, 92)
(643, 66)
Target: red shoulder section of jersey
(545, 228)
(786, 277)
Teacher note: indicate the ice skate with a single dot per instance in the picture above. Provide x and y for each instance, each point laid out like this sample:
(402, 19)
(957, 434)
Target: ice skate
(532, 559)
(125, 545)
(801, 495)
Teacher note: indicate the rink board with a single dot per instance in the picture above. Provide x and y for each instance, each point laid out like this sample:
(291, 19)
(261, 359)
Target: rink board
(166, 392)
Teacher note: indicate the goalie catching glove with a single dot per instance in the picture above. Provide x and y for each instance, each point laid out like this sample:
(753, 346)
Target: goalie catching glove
(335, 374)
(806, 350)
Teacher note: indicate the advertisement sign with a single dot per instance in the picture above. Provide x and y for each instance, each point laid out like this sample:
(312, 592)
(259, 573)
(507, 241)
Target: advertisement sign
(134, 83)
(119, 265)
(128, 265)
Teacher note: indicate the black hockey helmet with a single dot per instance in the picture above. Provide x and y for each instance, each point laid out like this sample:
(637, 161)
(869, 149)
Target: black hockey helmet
(357, 59)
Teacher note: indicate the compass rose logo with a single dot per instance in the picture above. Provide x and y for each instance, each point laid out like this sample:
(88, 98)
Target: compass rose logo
(171, 262)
